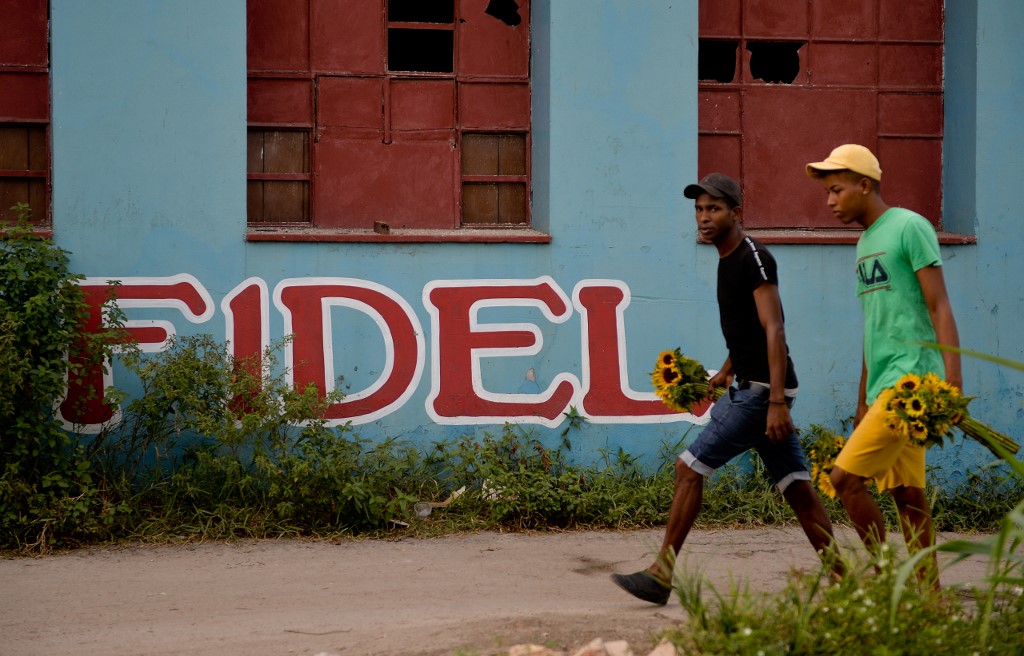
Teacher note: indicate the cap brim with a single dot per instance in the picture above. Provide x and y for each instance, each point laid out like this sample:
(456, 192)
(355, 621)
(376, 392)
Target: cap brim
(693, 191)
(816, 167)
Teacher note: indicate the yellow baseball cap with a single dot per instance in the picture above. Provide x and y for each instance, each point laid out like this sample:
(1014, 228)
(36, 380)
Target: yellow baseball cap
(852, 157)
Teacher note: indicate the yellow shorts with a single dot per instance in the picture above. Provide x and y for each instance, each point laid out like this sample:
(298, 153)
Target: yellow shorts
(875, 451)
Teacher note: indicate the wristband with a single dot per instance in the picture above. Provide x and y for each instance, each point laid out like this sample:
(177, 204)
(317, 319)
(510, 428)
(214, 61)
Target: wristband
(777, 402)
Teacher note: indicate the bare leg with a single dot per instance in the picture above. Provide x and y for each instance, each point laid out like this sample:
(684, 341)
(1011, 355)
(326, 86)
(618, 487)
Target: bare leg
(863, 511)
(814, 520)
(916, 524)
(686, 503)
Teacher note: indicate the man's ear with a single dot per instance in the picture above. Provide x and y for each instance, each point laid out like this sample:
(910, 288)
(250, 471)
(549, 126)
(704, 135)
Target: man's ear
(866, 186)
(738, 214)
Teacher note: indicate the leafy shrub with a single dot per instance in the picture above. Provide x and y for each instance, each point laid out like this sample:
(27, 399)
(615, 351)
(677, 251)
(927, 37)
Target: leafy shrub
(48, 493)
(221, 447)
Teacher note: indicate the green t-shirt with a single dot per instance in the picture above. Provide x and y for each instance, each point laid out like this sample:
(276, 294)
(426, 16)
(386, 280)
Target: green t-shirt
(889, 253)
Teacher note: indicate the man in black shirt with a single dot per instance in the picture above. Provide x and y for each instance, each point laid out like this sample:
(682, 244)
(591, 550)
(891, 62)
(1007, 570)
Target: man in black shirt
(755, 413)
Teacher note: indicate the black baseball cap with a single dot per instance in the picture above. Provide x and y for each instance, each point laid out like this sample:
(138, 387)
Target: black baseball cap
(718, 185)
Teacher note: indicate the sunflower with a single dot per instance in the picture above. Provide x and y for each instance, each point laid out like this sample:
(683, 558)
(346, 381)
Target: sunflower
(824, 483)
(894, 423)
(932, 383)
(664, 376)
(916, 430)
(821, 450)
(667, 358)
(914, 406)
(908, 383)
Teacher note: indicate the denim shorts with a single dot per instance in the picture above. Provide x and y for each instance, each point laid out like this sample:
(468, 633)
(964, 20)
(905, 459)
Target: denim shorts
(738, 422)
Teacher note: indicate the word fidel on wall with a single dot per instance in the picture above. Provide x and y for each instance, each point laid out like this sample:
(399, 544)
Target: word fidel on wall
(458, 343)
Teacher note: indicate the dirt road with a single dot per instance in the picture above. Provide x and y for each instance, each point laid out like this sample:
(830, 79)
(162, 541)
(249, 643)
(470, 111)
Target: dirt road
(475, 594)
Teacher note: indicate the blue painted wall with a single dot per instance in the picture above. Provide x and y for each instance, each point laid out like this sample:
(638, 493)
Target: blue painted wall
(149, 141)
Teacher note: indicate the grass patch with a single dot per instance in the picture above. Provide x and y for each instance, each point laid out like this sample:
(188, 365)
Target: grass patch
(856, 616)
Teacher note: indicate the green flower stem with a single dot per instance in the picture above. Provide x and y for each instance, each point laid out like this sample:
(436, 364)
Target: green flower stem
(978, 431)
(703, 389)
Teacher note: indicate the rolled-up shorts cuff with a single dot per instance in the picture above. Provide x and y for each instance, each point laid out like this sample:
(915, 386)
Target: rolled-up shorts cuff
(694, 464)
(702, 469)
(792, 478)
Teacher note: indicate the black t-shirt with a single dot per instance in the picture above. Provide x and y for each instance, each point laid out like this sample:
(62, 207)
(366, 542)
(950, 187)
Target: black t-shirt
(739, 274)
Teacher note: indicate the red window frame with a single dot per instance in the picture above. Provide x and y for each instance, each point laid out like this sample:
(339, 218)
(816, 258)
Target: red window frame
(869, 72)
(386, 145)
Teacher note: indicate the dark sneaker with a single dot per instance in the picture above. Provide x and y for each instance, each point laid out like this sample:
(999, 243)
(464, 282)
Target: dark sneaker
(643, 585)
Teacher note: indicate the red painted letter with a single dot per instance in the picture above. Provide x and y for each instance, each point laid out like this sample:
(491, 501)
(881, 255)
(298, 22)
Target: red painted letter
(88, 413)
(457, 395)
(607, 397)
(305, 304)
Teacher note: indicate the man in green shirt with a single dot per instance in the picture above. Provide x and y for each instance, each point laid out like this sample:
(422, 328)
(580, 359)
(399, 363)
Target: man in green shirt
(903, 296)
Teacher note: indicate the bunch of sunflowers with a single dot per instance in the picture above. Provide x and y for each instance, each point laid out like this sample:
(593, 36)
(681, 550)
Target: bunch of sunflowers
(822, 452)
(927, 408)
(681, 382)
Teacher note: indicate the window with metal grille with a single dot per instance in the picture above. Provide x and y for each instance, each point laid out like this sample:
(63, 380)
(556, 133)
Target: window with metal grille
(409, 113)
(25, 111)
(781, 83)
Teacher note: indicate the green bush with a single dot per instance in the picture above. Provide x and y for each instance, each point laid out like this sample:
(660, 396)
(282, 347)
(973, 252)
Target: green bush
(48, 493)
(219, 447)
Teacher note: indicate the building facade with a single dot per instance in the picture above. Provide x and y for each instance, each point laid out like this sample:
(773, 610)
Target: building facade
(471, 210)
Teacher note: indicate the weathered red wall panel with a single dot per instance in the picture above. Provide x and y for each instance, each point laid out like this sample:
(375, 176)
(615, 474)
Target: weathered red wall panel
(910, 65)
(24, 33)
(912, 174)
(833, 64)
(347, 36)
(350, 102)
(489, 47)
(722, 153)
(844, 20)
(278, 35)
(274, 101)
(911, 19)
(910, 114)
(773, 19)
(494, 106)
(718, 111)
(422, 104)
(788, 127)
(407, 184)
(24, 96)
(719, 18)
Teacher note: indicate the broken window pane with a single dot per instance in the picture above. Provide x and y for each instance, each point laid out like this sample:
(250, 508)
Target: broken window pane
(775, 62)
(421, 11)
(421, 51)
(716, 60)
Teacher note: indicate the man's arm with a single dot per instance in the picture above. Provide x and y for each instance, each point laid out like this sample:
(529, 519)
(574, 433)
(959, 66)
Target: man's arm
(933, 287)
(862, 394)
(769, 311)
